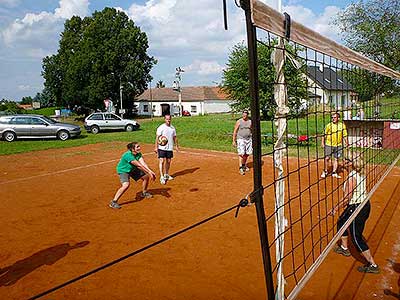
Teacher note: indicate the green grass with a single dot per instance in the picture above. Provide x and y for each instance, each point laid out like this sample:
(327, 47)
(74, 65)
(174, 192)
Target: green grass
(213, 132)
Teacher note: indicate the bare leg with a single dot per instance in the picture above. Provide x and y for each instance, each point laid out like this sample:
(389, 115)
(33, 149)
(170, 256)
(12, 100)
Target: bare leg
(344, 242)
(145, 183)
(167, 165)
(326, 163)
(121, 191)
(161, 166)
(335, 165)
(240, 160)
(368, 256)
(244, 159)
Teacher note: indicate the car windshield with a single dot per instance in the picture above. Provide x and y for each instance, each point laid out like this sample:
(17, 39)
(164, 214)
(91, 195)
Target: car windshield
(51, 121)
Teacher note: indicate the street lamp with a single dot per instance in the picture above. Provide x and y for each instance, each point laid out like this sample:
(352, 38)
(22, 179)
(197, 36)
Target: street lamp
(177, 87)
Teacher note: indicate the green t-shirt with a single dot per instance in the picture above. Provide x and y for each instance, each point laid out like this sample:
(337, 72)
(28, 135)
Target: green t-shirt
(124, 165)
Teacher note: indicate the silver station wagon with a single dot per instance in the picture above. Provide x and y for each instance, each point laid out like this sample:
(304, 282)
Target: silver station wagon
(35, 126)
(108, 121)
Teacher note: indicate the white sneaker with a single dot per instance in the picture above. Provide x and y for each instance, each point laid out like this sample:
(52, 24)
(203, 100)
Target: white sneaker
(163, 180)
(336, 175)
(324, 174)
(168, 177)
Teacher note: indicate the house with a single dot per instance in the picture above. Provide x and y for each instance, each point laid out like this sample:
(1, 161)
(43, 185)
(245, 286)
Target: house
(198, 100)
(326, 86)
(25, 106)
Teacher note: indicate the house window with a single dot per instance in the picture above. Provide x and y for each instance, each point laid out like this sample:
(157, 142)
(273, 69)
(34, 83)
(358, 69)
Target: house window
(193, 109)
(145, 108)
(343, 100)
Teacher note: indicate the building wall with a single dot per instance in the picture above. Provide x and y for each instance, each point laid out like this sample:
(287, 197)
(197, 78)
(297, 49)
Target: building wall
(194, 107)
(216, 106)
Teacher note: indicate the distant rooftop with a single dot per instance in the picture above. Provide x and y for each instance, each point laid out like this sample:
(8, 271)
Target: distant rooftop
(328, 79)
(190, 93)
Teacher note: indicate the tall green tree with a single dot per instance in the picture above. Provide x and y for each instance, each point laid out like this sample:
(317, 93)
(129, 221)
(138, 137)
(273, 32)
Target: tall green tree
(98, 56)
(372, 28)
(235, 81)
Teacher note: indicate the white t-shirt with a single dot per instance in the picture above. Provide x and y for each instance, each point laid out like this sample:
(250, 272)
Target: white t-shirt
(360, 190)
(169, 132)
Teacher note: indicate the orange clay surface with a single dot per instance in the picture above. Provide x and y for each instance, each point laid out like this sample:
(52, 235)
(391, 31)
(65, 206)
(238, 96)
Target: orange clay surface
(56, 225)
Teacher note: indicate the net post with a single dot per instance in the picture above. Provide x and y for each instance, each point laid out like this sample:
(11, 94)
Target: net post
(257, 155)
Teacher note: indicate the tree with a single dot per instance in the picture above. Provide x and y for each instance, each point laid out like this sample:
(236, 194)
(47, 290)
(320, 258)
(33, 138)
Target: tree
(373, 29)
(160, 84)
(44, 98)
(26, 100)
(97, 55)
(236, 82)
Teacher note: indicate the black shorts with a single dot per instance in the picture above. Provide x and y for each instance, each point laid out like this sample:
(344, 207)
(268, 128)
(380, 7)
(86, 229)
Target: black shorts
(136, 173)
(165, 154)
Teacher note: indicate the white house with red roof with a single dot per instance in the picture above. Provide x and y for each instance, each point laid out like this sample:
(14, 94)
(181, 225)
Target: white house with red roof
(198, 100)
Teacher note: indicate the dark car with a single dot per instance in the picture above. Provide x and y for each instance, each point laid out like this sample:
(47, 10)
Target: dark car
(186, 113)
(35, 126)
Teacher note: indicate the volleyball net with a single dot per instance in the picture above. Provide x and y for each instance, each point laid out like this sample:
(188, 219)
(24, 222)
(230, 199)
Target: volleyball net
(314, 79)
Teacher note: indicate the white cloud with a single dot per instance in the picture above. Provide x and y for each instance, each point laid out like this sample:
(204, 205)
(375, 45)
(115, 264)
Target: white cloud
(69, 8)
(34, 29)
(204, 67)
(180, 27)
(321, 23)
(24, 87)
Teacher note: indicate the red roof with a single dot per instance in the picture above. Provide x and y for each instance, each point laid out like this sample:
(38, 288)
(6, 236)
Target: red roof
(194, 93)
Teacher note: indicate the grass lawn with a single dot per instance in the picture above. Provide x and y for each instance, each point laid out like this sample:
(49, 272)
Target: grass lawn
(213, 132)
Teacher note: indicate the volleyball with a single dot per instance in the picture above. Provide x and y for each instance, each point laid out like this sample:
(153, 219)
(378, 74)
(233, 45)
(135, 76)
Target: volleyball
(162, 140)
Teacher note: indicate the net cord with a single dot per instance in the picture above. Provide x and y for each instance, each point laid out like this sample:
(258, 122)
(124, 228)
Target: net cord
(294, 293)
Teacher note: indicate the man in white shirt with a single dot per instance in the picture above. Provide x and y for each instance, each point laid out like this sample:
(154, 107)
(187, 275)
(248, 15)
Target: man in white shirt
(164, 146)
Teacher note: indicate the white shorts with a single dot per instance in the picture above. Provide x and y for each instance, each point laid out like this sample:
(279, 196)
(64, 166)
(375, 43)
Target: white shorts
(244, 146)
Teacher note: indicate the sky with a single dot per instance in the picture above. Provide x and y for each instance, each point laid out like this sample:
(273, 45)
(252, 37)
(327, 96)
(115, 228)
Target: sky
(182, 33)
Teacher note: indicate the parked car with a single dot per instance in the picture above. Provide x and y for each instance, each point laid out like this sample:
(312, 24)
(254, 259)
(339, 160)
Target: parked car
(35, 126)
(108, 121)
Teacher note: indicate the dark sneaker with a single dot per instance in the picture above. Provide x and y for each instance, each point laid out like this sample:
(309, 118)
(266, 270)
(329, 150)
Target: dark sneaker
(368, 268)
(340, 250)
(147, 195)
(241, 171)
(114, 205)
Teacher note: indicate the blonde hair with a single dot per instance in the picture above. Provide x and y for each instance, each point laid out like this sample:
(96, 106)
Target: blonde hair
(357, 162)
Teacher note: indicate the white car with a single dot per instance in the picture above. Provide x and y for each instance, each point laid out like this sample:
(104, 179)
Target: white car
(108, 121)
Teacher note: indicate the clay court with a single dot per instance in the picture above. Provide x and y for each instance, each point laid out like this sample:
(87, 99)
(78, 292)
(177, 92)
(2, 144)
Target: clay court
(56, 225)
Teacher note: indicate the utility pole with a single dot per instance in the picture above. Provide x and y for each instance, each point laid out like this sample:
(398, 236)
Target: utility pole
(177, 87)
(120, 98)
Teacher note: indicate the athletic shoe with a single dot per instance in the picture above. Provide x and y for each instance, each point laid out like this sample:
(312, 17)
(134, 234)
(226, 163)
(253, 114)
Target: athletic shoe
(146, 195)
(336, 175)
(369, 268)
(114, 205)
(340, 250)
(241, 171)
(324, 174)
(163, 180)
(168, 177)
(246, 169)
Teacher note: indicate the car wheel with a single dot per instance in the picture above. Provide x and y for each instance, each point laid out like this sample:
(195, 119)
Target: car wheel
(9, 136)
(94, 129)
(129, 128)
(63, 135)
